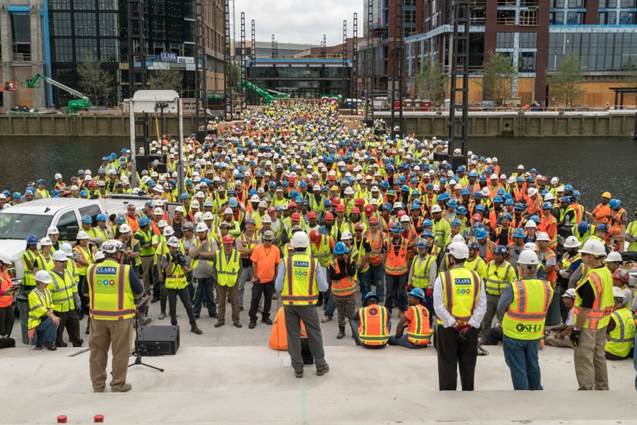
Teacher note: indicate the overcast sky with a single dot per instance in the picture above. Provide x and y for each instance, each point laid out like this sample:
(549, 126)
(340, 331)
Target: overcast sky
(299, 21)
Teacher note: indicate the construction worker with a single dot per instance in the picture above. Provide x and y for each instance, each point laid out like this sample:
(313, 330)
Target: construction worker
(146, 250)
(415, 322)
(371, 325)
(422, 273)
(227, 268)
(42, 322)
(375, 276)
(112, 308)
(64, 296)
(202, 254)
(500, 275)
(246, 244)
(7, 291)
(621, 329)
(602, 213)
(31, 262)
(265, 258)
(342, 275)
(593, 308)
(631, 234)
(299, 279)
(522, 309)
(396, 269)
(460, 303)
(475, 262)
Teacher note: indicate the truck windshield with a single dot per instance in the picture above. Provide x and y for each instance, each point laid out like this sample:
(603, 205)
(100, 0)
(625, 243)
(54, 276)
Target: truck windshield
(19, 226)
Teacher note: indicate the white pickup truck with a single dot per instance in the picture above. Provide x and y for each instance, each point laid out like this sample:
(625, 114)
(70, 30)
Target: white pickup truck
(35, 217)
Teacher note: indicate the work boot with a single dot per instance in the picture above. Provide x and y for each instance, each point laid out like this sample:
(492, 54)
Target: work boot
(266, 320)
(220, 323)
(253, 324)
(298, 373)
(61, 344)
(98, 389)
(194, 329)
(237, 324)
(341, 333)
(145, 321)
(162, 316)
(78, 343)
(326, 319)
(123, 389)
(322, 369)
(50, 346)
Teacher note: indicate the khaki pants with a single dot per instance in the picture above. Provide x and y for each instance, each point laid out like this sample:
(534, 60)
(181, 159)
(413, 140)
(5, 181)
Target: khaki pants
(118, 335)
(590, 362)
(225, 294)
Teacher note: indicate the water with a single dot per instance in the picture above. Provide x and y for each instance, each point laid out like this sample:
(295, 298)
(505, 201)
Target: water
(592, 165)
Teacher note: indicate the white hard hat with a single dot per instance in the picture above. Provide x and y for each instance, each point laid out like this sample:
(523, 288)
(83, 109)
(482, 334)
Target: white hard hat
(593, 247)
(57, 176)
(168, 231)
(618, 293)
(59, 255)
(45, 242)
(53, 231)
(4, 259)
(458, 238)
(532, 191)
(300, 240)
(494, 176)
(201, 227)
(614, 257)
(346, 236)
(208, 216)
(349, 190)
(555, 180)
(158, 211)
(43, 276)
(194, 204)
(528, 258)
(227, 211)
(109, 247)
(162, 223)
(530, 245)
(436, 208)
(67, 249)
(405, 219)
(542, 237)
(530, 223)
(571, 242)
(179, 209)
(124, 229)
(82, 235)
(549, 197)
(99, 255)
(458, 250)
(173, 242)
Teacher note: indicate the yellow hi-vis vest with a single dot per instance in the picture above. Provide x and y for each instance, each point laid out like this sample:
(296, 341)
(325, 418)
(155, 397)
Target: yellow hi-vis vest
(147, 249)
(176, 277)
(323, 252)
(477, 265)
(460, 291)
(420, 271)
(299, 280)
(208, 248)
(87, 255)
(110, 293)
(498, 277)
(227, 269)
(62, 290)
(602, 282)
(524, 320)
(621, 339)
(29, 260)
(39, 303)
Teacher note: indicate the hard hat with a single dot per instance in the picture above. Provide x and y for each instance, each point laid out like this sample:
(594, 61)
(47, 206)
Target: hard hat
(481, 234)
(295, 217)
(501, 250)
(547, 206)
(173, 242)
(59, 255)
(532, 191)
(43, 276)
(542, 237)
(82, 235)
(571, 242)
(67, 249)
(201, 227)
(458, 250)
(570, 293)
(158, 211)
(614, 257)
(86, 219)
(144, 221)
(4, 259)
(315, 236)
(548, 197)
(101, 217)
(528, 257)
(300, 240)
(99, 255)
(474, 245)
(124, 229)
(45, 242)
(418, 293)
(530, 245)
(422, 243)
(227, 239)
(340, 249)
(621, 275)
(369, 296)
(208, 216)
(606, 195)
(405, 219)
(458, 238)
(168, 231)
(602, 227)
(593, 247)
(531, 224)
(109, 247)
(618, 293)
(53, 231)
(227, 211)
(614, 203)
(32, 240)
(57, 176)
(346, 236)
(268, 235)
(519, 233)
(436, 208)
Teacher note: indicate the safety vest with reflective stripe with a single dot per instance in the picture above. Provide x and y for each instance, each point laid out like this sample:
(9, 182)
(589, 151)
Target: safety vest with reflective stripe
(460, 291)
(621, 339)
(376, 241)
(147, 249)
(345, 286)
(396, 262)
(299, 280)
(227, 269)
(420, 271)
(5, 285)
(498, 277)
(39, 303)
(322, 252)
(176, 277)
(208, 249)
(372, 328)
(110, 293)
(30, 259)
(62, 290)
(418, 329)
(87, 256)
(525, 317)
(477, 265)
(602, 283)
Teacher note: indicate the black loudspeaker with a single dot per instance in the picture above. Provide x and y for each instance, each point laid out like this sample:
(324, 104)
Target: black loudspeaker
(157, 340)
(458, 160)
(144, 161)
(441, 156)
(201, 135)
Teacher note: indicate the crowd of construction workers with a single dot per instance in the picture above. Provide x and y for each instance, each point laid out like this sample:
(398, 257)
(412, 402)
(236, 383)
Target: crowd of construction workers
(349, 225)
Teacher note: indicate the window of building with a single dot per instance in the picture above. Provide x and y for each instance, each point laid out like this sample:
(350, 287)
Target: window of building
(60, 4)
(86, 50)
(61, 24)
(84, 4)
(21, 35)
(107, 4)
(574, 18)
(504, 40)
(85, 24)
(108, 24)
(526, 62)
(109, 48)
(62, 50)
(556, 18)
(506, 17)
(626, 18)
(528, 40)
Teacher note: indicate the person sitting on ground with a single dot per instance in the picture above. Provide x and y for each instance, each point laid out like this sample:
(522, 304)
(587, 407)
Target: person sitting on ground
(620, 280)
(370, 327)
(558, 336)
(415, 322)
(620, 329)
(42, 322)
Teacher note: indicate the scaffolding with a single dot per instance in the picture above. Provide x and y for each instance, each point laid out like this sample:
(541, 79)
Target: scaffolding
(136, 35)
(253, 47)
(369, 69)
(274, 47)
(459, 126)
(243, 60)
(201, 65)
(324, 46)
(354, 82)
(227, 86)
(396, 83)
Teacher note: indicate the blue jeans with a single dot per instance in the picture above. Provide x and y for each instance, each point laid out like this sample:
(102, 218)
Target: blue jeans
(403, 341)
(204, 295)
(330, 305)
(46, 332)
(522, 359)
(375, 276)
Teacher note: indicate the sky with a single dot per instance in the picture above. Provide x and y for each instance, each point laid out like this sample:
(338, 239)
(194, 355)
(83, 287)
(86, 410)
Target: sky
(299, 21)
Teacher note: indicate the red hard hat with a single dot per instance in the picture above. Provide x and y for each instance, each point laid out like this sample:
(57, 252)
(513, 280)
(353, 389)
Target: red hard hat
(311, 215)
(400, 213)
(228, 239)
(336, 201)
(315, 236)
(295, 217)
(292, 204)
(340, 208)
(359, 226)
(356, 210)
(328, 216)
(369, 209)
(359, 202)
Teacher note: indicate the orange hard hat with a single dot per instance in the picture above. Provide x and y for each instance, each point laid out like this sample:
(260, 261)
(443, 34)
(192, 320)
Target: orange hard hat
(373, 220)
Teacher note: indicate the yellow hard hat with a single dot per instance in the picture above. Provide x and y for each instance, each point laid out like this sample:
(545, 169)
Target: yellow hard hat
(606, 195)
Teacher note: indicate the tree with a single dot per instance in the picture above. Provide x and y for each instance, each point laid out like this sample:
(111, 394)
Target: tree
(235, 76)
(564, 82)
(431, 82)
(170, 79)
(497, 79)
(95, 82)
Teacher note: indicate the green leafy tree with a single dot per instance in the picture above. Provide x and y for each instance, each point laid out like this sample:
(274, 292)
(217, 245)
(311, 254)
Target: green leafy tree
(235, 76)
(170, 79)
(564, 83)
(94, 81)
(497, 78)
(431, 82)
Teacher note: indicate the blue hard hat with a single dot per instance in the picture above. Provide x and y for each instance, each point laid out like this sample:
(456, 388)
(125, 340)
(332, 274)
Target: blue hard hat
(547, 206)
(427, 223)
(582, 227)
(427, 234)
(461, 210)
(120, 220)
(576, 194)
(101, 217)
(233, 203)
(497, 199)
(506, 216)
(444, 196)
(481, 234)
(404, 188)
(144, 221)
(565, 199)
(473, 173)
(16, 195)
(501, 250)
(519, 233)
(397, 228)
(184, 196)
(465, 192)
(455, 223)
(340, 248)
(32, 240)
(535, 218)
(369, 296)
(86, 219)
(418, 293)
(602, 227)
(568, 188)
(480, 208)
(615, 203)
(422, 243)
(452, 203)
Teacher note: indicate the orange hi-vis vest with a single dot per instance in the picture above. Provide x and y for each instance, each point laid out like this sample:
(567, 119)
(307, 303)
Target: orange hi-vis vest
(343, 287)
(372, 329)
(5, 284)
(418, 329)
(376, 242)
(396, 262)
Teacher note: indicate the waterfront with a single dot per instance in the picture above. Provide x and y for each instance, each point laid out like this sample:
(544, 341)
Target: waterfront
(591, 164)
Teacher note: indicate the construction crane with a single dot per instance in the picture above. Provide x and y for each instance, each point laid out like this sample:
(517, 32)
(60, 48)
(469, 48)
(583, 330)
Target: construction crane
(73, 106)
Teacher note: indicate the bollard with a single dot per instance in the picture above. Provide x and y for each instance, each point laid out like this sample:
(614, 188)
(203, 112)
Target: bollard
(98, 419)
(61, 419)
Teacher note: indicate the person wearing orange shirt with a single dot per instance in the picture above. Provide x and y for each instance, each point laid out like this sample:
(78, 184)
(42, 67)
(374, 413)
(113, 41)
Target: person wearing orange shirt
(396, 269)
(602, 213)
(548, 224)
(131, 218)
(7, 289)
(413, 330)
(265, 259)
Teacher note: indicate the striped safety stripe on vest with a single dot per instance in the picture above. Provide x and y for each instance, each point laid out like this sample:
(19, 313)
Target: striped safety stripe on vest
(311, 297)
(120, 313)
(364, 327)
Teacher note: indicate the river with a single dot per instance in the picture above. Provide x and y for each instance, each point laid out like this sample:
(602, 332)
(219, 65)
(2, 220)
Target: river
(592, 165)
